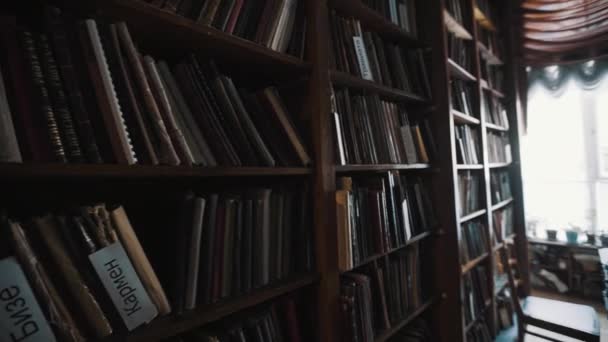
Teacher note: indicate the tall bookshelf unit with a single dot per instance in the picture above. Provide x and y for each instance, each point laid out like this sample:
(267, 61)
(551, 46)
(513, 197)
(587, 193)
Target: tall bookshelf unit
(169, 36)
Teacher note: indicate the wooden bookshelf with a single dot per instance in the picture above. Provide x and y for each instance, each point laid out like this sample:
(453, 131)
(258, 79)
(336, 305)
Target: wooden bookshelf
(387, 334)
(343, 79)
(494, 127)
(91, 171)
(163, 34)
(460, 72)
(382, 167)
(462, 118)
(173, 325)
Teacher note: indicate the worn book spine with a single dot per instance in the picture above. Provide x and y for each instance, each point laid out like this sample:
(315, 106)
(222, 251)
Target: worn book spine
(9, 147)
(140, 260)
(133, 111)
(106, 94)
(48, 230)
(194, 253)
(234, 16)
(42, 96)
(168, 113)
(57, 314)
(63, 56)
(167, 153)
(59, 101)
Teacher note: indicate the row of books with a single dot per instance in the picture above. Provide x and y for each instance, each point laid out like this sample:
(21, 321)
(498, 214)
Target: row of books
(229, 244)
(459, 51)
(400, 12)
(376, 298)
(475, 240)
(499, 147)
(462, 96)
(368, 56)
(378, 214)
(493, 110)
(274, 322)
(479, 332)
(490, 40)
(455, 8)
(370, 130)
(475, 293)
(140, 110)
(500, 186)
(503, 222)
(88, 271)
(279, 25)
(467, 144)
(493, 74)
(470, 187)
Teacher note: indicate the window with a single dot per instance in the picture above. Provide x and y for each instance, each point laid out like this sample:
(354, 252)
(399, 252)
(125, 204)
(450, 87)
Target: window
(565, 153)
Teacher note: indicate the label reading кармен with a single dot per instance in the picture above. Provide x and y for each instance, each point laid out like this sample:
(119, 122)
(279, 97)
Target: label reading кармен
(21, 319)
(120, 280)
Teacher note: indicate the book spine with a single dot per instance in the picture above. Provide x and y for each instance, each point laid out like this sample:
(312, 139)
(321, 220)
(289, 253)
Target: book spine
(42, 96)
(9, 147)
(63, 56)
(59, 100)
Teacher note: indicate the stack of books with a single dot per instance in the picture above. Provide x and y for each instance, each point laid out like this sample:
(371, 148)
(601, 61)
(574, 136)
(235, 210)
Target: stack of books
(455, 9)
(470, 192)
(370, 57)
(229, 244)
(475, 293)
(379, 297)
(139, 110)
(503, 222)
(494, 110)
(462, 96)
(459, 51)
(499, 147)
(370, 130)
(378, 214)
(474, 241)
(400, 12)
(500, 186)
(276, 24)
(87, 270)
(467, 145)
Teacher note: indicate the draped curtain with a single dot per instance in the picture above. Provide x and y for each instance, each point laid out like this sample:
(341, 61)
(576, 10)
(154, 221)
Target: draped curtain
(558, 31)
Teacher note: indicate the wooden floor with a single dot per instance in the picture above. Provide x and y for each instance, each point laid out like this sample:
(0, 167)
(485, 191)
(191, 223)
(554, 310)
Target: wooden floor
(511, 334)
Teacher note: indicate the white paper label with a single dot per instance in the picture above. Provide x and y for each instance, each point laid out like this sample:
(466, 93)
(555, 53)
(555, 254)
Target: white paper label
(366, 73)
(123, 285)
(21, 318)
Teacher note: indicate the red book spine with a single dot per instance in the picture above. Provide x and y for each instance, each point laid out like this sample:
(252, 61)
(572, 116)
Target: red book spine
(236, 11)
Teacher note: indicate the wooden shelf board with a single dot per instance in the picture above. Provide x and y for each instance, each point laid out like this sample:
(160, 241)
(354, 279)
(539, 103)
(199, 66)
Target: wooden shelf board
(381, 167)
(409, 242)
(472, 215)
(496, 127)
(375, 21)
(35, 170)
(499, 165)
(455, 27)
(387, 334)
(488, 55)
(459, 72)
(496, 93)
(471, 264)
(173, 325)
(464, 119)
(469, 166)
(156, 29)
(345, 79)
(502, 204)
(482, 19)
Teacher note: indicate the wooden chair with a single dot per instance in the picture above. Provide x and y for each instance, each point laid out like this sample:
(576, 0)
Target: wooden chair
(572, 320)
